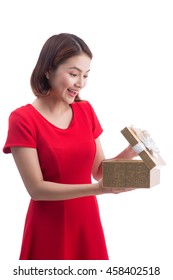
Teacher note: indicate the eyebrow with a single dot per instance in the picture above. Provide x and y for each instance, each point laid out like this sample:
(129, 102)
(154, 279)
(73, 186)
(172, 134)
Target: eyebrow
(76, 68)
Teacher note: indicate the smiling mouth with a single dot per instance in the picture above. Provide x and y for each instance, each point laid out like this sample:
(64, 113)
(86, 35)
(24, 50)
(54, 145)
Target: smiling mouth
(72, 92)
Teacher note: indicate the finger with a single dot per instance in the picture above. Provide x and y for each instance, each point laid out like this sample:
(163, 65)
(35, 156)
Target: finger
(122, 190)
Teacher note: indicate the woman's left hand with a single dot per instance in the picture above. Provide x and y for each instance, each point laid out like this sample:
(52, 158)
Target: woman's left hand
(128, 153)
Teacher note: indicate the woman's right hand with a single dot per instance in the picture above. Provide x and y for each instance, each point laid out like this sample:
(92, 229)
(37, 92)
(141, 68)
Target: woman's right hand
(113, 190)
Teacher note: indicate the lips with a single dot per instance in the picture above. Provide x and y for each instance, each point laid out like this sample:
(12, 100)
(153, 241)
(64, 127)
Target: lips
(72, 92)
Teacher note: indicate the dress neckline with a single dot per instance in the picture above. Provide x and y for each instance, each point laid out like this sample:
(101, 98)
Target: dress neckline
(50, 123)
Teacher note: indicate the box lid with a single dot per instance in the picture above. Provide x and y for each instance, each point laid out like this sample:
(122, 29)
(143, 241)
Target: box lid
(143, 144)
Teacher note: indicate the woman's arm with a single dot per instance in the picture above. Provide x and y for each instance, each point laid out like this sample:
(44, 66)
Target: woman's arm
(27, 162)
(97, 164)
(99, 157)
(28, 165)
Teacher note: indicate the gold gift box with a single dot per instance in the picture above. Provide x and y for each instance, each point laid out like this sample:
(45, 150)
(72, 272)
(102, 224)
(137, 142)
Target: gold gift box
(132, 173)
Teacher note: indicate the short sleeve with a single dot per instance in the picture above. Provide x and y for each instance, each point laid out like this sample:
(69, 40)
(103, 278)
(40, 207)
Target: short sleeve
(20, 132)
(95, 124)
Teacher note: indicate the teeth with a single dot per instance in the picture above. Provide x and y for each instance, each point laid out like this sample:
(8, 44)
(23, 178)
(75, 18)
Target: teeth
(72, 90)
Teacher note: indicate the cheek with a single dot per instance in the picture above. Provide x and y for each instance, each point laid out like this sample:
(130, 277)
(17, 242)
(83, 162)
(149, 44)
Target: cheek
(61, 82)
(85, 82)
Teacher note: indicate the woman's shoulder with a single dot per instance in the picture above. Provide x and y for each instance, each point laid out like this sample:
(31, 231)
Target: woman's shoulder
(87, 109)
(90, 116)
(83, 104)
(22, 114)
(21, 111)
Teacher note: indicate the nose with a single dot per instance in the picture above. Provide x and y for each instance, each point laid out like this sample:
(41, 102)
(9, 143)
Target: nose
(80, 82)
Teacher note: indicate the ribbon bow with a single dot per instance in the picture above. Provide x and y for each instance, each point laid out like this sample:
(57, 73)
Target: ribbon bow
(146, 139)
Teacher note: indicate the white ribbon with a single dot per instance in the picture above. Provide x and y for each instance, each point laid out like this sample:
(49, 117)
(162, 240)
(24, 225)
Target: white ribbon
(146, 142)
(138, 148)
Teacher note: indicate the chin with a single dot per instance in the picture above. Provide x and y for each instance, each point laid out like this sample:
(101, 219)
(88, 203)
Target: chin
(70, 100)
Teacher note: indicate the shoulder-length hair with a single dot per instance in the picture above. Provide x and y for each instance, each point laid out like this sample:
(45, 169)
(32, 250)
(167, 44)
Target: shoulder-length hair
(56, 50)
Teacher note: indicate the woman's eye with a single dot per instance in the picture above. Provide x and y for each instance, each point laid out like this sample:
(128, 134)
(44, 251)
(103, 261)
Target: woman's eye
(85, 76)
(73, 75)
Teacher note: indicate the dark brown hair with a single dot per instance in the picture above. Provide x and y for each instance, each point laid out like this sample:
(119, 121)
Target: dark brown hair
(56, 50)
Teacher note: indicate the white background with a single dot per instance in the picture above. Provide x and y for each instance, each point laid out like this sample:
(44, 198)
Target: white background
(130, 83)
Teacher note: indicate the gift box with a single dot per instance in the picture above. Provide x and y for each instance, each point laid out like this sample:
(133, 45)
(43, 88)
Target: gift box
(134, 173)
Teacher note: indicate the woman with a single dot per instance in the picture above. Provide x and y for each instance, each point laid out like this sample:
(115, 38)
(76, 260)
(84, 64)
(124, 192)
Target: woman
(55, 145)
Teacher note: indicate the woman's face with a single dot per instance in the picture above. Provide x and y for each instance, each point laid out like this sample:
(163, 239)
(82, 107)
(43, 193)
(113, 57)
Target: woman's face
(70, 77)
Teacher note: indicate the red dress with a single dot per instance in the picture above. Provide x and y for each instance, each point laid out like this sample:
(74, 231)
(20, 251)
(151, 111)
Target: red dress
(66, 229)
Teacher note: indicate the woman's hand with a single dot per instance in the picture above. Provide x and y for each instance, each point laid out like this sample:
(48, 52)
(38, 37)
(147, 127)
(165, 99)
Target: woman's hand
(128, 153)
(131, 153)
(113, 190)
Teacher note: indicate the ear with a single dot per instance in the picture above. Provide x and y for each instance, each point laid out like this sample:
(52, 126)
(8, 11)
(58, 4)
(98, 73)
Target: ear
(47, 74)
